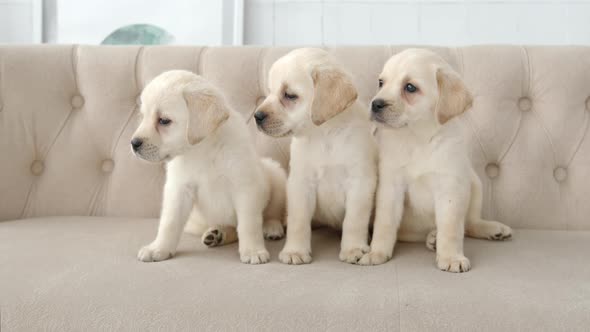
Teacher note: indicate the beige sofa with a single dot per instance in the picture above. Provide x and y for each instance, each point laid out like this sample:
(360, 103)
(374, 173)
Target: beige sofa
(76, 205)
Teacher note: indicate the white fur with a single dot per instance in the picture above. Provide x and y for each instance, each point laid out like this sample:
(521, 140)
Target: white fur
(426, 180)
(220, 177)
(333, 163)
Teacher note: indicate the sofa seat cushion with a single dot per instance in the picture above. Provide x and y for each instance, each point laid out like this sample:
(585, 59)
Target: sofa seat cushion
(81, 273)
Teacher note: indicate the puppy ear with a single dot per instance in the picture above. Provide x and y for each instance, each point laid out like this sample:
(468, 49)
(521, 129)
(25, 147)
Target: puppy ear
(334, 92)
(454, 98)
(207, 111)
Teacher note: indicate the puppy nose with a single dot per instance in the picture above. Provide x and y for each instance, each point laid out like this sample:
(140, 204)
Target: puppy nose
(378, 105)
(136, 143)
(260, 116)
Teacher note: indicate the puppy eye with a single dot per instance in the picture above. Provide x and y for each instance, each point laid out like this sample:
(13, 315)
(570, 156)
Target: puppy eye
(164, 121)
(410, 88)
(380, 83)
(290, 96)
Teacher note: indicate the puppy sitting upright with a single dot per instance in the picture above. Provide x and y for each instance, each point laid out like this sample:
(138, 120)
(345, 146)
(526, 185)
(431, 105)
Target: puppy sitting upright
(333, 155)
(212, 167)
(426, 180)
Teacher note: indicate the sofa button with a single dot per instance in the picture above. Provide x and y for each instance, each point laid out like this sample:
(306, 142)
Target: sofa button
(37, 167)
(525, 104)
(259, 100)
(560, 174)
(77, 101)
(108, 165)
(492, 170)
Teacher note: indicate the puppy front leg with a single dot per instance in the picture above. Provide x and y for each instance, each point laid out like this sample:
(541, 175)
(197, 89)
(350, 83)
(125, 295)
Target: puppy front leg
(176, 209)
(388, 216)
(355, 227)
(251, 240)
(301, 200)
(450, 203)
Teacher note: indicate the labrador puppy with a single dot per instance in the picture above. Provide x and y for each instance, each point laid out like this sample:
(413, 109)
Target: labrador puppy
(333, 168)
(212, 169)
(427, 185)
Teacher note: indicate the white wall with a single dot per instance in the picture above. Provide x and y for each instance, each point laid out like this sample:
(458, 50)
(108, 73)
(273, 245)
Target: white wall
(440, 22)
(89, 22)
(20, 21)
(194, 22)
(311, 22)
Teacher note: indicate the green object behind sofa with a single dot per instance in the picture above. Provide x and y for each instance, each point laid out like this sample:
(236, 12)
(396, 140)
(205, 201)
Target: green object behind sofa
(139, 34)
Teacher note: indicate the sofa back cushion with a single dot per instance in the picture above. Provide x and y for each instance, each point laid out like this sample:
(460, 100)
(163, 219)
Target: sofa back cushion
(67, 114)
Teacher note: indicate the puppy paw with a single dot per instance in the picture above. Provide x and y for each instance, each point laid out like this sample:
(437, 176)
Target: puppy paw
(455, 264)
(431, 240)
(213, 237)
(488, 229)
(273, 230)
(374, 258)
(260, 256)
(295, 257)
(152, 253)
(353, 255)
(502, 233)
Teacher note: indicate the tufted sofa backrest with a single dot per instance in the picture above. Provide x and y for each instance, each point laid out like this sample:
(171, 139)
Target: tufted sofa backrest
(67, 114)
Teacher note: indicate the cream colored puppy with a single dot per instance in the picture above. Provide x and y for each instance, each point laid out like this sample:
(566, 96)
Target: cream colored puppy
(426, 180)
(212, 169)
(333, 170)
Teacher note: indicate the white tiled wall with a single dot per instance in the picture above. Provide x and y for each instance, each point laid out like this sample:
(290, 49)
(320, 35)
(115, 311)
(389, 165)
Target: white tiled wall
(441, 22)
